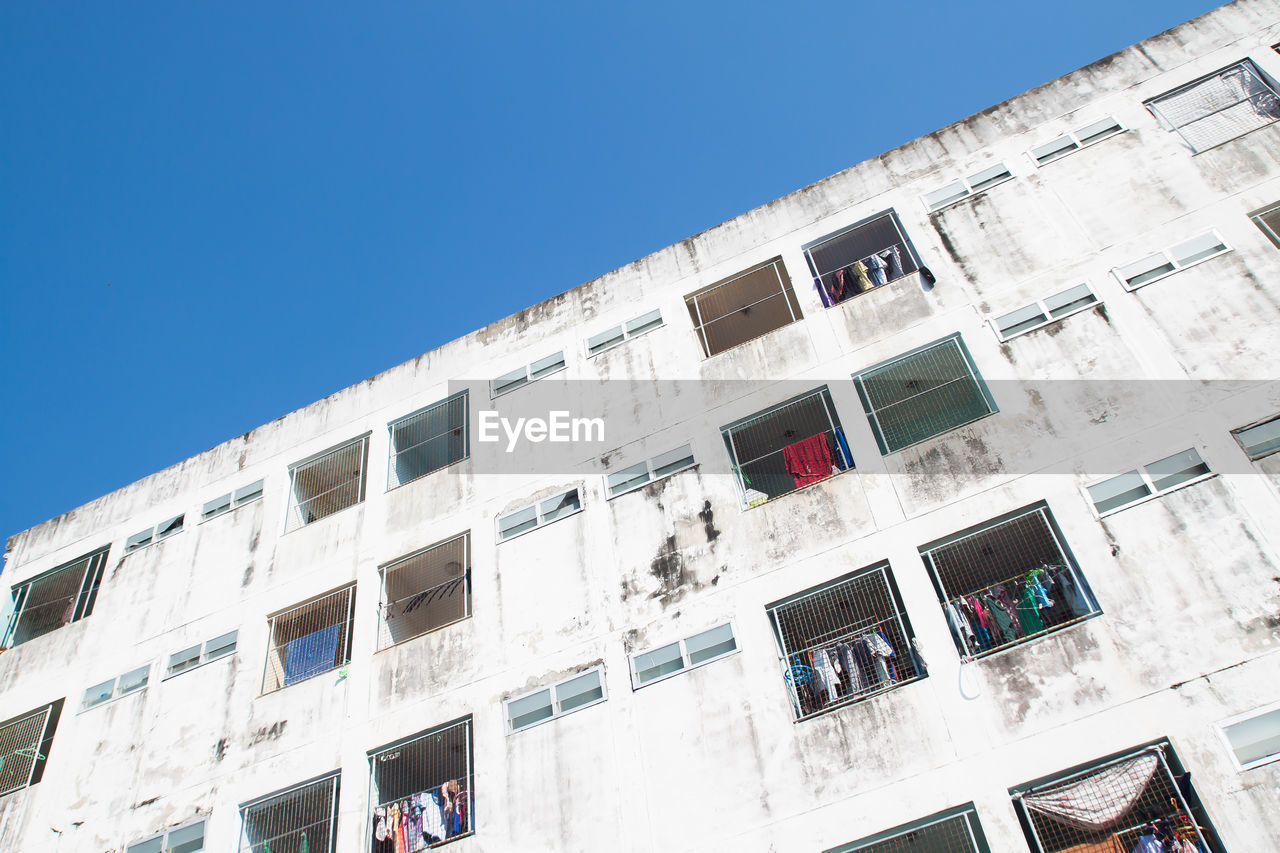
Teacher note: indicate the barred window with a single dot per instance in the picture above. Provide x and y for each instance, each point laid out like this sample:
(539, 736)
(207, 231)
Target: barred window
(1268, 221)
(231, 500)
(182, 839)
(743, 307)
(309, 639)
(428, 440)
(429, 775)
(425, 591)
(24, 747)
(1218, 107)
(1168, 261)
(787, 447)
(844, 641)
(327, 483)
(1163, 475)
(56, 598)
(924, 393)
(297, 820)
(952, 831)
(852, 261)
(1007, 581)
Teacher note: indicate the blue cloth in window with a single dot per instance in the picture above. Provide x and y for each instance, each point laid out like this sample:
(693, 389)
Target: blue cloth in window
(847, 461)
(311, 655)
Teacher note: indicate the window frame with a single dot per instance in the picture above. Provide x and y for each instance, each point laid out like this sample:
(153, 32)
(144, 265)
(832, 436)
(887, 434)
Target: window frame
(969, 811)
(202, 654)
(786, 289)
(685, 663)
(165, 847)
(466, 724)
(1078, 142)
(81, 603)
(550, 369)
(1256, 456)
(970, 186)
(387, 569)
(1148, 482)
(294, 505)
(1223, 725)
(1047, 313)
(1247, 64)
(277, 652)
(116, 691)
(393, 453)
(235, 498)
(1177, 265)
(49, 716)
(556, 701)
(909, 250)
(625, 333)
(687, 461)
(1257, 217)
(536, 506)
(166, 529)
(335, 778)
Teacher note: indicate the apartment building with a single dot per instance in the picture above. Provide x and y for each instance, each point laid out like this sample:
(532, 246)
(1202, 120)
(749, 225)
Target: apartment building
(928, 508)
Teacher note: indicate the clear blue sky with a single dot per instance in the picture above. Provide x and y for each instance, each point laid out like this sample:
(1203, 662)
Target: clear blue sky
(213, 214)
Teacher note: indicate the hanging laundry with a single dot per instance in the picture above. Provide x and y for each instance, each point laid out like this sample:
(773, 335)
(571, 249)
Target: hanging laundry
(983, 636)
(882, 651)
(825, 675)
(847, 458)
(845, 653)
(861, 282)
(808, 460)
(893, 258)
(840, 282)
(960, 628)
(822, 293)
(1001, 622)
(1029, 612)
(876, 269)
(432, 818)
(1006, 602)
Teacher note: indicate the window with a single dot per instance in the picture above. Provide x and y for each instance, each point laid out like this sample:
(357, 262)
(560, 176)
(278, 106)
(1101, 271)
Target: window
(1007, 581)
(952, 831)
(432, 771)
(428, 440)
(580, 691)
(327, 483)
(130, 682)
(1219, 107)
(218, 647)
(1169, 261)
(1254, 738)
(704, 647)
(1268, 221)
(163, 530)
(1073, 141)
(24, 747)
(922, 394)
(309, 639)
(743, 307)
(965, 187)
(425, 591)
(1135, 486)
(529, 373)
(1042, 312)
(56, 598)
(663, 465)
(538, 514)
(871, 253)
(787, 447)
(231, 500)
(299, 820)
(1259, 440)
(183, 839)
(1113, 804)
(610, 338)
(844, 641)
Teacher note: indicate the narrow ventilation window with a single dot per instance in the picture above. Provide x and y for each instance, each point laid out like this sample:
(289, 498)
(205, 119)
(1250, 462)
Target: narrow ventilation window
(1042, 312)
(1136, 486)
(743, 307)
(1254, 738)
(231, 500)
(522, 376)
(210, 650)
(703, 647)
(326, 484)
(1073, 141)
(1260, 440)
(663, 465)
(539, 514)
(610, 338)
(182, 839)
(962, 188)
(130, 682)
(572, 694)
(1218, 107)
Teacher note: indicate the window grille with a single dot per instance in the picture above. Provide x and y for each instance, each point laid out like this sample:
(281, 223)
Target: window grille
(130, 682)
(425, 591)
(1259, 440)
(571, 694)
(743, 307)
(953, 831)
(633, 328)
(1254, 738)
(526, 374)
(922, 394)
(183, 839)
(787, 447)
(539, 514)
(329, 483)
(962, 188)
(663, 465)
(24, 742)
(853, 261)
(1169, 261)
(309, 639)
(56, 598)
(423, 790)
(1114, 805)
(428, 440)
(1042, 312)
(1268, 221)
(1219, 107)
(299, 820)
(1006, 582)
(1135, 486)
(703, 647)
(231, 500)
(163, 530)
(1071, 142)
(844, 642)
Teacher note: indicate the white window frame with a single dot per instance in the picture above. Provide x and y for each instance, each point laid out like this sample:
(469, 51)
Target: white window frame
(162, 531)
(388, 570)
(556, 711)
(294, 506)
(1076, 140)
(165, 847)
(277, 654)
(616, 336)
(1258, 218)
(116, 692)
(1222, 726)
(331, 779)
(542, 520)
(1149, 483)
(202, 653)
(1165, 257)
(1256, 455)
(461, 398)
(968, 187)
(686, 663)
(533, 371)
(682, 457)
(223, 504)
(1048, 313)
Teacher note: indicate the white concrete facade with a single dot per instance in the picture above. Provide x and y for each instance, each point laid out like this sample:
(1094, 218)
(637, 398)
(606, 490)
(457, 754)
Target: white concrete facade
(1188, 583)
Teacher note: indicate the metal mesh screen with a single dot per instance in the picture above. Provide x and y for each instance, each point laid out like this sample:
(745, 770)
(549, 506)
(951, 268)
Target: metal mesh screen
(426, 591)
(921, 395)
(309, 639)
(1008, 582)
(300, 820)
(56, 598)
(428, 441)
(954, 834)
(787, 447)
(423, 791)
(746, 306)
(844, 642)
(328, 484)
(1227, 104)
(20, 742)
(879, 246)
